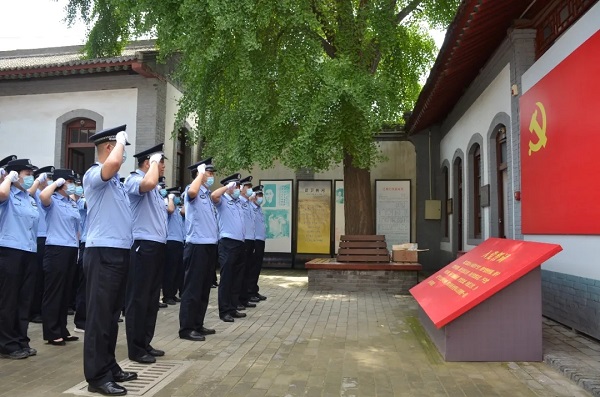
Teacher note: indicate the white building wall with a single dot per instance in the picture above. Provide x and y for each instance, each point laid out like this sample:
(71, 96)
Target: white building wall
(28, 122)
(173, 96)
(476, 120)
(581, 254)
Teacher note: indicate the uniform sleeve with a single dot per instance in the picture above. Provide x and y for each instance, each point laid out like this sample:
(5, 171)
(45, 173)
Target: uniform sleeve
(93, 178)
(81, 204)
(132, 184)
(39, 202)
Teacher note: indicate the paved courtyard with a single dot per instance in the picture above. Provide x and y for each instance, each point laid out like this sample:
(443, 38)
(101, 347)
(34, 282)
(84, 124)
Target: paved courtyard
(301, 343)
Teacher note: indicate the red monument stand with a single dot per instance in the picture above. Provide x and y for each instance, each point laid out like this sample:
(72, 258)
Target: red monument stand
(487, 304)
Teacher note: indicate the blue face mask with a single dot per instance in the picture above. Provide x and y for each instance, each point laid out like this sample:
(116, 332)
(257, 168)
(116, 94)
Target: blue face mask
(248, 192)
(163, 192)
(210, 180)
(236, 194)
(79, 191)
(259, 200)
(70, 189)
(28, 181)
(177, 200)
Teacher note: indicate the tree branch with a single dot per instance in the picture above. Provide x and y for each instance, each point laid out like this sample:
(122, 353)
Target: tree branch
(407, 10)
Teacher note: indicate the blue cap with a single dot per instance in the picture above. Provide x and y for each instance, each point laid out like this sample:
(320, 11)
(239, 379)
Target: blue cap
(65, 174)
(19, 165)
(246, 181)
(231, 178)
(109, 134)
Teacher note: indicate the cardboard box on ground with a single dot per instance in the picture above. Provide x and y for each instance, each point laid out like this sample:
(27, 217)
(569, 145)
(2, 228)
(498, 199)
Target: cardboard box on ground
(407, 252)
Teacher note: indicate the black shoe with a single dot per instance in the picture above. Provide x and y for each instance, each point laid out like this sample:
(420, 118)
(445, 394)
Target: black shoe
(227, 318)
(248, 304)
(71, 338)
(36, 319)
(30, 351)
(145, 359)
(240, 307)
(237, 314)
(169, 301)
(176, 299)
(261, 297)
(254, 299)
(206, 331)
(193, 336)
(155, 352)
(162, 305)
(108, 389)
(123, 376)
(16, 355)
(57, 342)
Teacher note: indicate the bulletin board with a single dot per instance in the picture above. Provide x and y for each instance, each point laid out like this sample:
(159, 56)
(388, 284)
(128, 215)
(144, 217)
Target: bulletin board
(277, 210)
(392, 210)
(314, 217)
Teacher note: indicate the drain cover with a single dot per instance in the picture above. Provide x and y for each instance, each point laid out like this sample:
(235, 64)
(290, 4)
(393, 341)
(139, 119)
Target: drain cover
(151, 378)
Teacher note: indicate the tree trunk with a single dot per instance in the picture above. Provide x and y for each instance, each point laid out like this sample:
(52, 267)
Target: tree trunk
(358, 202)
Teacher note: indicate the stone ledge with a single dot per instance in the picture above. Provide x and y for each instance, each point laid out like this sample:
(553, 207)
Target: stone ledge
(332, 264)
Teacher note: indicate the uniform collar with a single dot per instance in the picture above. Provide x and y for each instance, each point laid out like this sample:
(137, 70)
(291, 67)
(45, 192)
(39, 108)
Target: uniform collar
(229, 197)
(142, 173)
(243, 199)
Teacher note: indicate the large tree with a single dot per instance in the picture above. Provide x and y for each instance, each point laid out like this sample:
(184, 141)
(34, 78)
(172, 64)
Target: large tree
(306, 82)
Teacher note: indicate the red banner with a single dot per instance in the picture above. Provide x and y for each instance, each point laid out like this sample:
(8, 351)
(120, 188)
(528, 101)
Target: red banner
(477, 275)
(560, 141)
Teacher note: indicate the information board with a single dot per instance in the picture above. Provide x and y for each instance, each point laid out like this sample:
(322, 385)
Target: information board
(314, 217)
(392, 210)
(277, 209)
(340, 220)
(477, 275)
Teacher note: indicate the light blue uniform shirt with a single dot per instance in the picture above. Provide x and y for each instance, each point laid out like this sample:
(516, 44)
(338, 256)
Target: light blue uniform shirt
(108, 213)
(248, 218)
(19, 221)
(42, 220)
(231, 219)
(200, 218)
(176, 226)
(62, 218)
(83, 216)
(148, 209)
(260, 231)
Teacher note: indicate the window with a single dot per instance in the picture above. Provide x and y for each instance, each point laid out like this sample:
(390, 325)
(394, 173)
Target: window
(80, 152)
(477, 191)
(180, 160)
(502, 179)
(446, 222)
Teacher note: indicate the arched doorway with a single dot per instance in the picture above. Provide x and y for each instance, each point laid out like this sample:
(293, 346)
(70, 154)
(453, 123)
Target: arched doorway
(80, 152)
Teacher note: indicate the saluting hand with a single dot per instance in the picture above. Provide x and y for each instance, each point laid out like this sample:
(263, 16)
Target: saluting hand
(42, 177)
(2, 172)
(59, 182)
(231, 185)
(171, 196)
(201, 169)
(155, 158)
(122, 138)
(13, 176)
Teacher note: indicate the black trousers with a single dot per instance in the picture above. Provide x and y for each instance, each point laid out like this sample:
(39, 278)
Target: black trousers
(244, 276)
(173, 268)
(200, 261)
(38, 290)
(79, 319)
(231, 257)
(106, 277)
(257, 262)
(143, 292)
(59, 270)
(17, 274)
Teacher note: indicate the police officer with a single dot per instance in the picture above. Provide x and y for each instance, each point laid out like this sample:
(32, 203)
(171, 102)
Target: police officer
(18, 234)
(259, 245)
(80, 309)
(200, 252)
(231, 243)
(42, 177)
(174, 250)
(147, 254)
(60, 256)
(241, 278)
(106, 262)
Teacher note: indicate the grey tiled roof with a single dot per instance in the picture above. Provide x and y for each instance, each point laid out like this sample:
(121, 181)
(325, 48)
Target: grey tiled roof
(63, 56)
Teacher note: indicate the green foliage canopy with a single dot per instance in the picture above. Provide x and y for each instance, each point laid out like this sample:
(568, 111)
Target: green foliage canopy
(303, 81)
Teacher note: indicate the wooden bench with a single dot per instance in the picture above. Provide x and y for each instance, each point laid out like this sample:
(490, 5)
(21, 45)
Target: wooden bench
(328, 274)
(363, 248)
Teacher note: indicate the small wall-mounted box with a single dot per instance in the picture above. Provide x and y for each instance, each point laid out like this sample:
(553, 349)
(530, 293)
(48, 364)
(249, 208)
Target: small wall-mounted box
(433, 209)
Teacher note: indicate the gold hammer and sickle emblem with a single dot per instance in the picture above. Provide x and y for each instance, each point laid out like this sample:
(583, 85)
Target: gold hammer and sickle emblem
(540, 131)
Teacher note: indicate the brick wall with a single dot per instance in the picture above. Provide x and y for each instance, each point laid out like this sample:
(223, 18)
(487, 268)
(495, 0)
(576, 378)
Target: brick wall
(571, 300)
(396, 282)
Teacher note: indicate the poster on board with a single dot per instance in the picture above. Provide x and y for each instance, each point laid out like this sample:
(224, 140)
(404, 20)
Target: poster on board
(314, 217)
(277, 209)
(392, 210)
(340, 220)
